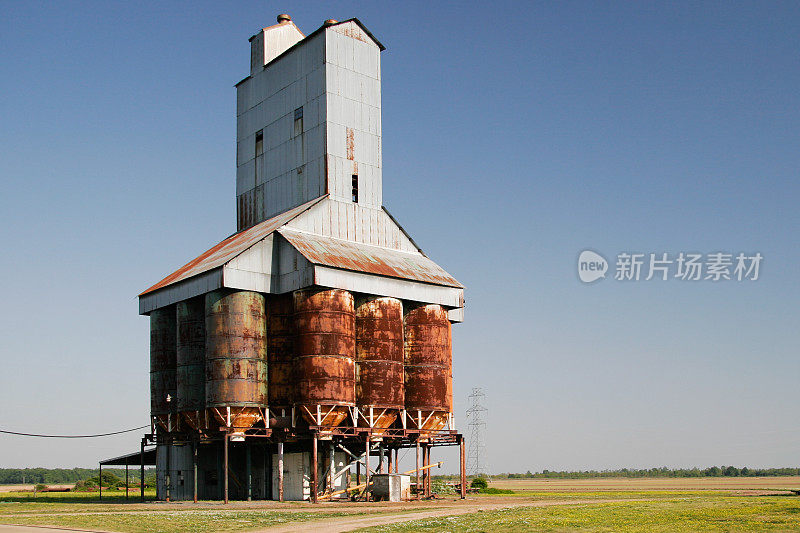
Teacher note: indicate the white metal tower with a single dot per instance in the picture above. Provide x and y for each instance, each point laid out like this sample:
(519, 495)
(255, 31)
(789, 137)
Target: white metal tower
(476, 456)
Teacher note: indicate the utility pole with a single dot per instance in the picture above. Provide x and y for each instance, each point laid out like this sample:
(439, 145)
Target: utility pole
(476, 458)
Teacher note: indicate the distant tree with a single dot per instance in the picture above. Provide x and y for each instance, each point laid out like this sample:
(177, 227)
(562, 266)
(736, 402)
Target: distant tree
(479, 483)
(730, 471)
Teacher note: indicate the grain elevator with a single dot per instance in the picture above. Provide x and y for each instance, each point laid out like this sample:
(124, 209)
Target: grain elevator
(293, 359)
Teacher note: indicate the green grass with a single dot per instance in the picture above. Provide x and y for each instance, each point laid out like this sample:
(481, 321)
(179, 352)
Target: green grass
(665, 511)
(16, 502)
(174, 521)
(492, 490)
(718, 513)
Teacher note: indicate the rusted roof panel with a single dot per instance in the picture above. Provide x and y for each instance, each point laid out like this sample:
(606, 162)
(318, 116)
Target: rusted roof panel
(230, 247)
(349, 255)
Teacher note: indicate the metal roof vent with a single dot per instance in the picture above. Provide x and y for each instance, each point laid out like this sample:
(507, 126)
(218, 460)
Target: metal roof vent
(283, 17)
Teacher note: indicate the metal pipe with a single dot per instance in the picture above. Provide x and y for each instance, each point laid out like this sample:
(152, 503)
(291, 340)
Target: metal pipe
(249, 467)
(126, 479)
(425, 472)
(366, 464)
(380, 458)
(416, 483)
(389, 460)
(430, 474)
(166, 478)
(225, 467)
(100, 475)
(424, 468)
(314, 470)
(332, 461)
(358, 472)
(396, 459)
(280, 471)
(194, 468)
(141, 472)
(462, 469)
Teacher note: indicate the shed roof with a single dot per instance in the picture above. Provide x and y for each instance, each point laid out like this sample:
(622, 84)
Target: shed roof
(135, 458)
(234, 245)
(359, 257)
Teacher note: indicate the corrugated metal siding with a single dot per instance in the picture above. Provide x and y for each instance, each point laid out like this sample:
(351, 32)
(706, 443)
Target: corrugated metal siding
(278, 39)
(332, 218)
(353, 89)
(267, 101)
(370, 259)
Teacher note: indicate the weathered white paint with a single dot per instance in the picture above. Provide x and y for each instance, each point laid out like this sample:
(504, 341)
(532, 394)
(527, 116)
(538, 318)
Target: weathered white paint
(383, 286)
(335, 77)
(297, 474)
(182, 290)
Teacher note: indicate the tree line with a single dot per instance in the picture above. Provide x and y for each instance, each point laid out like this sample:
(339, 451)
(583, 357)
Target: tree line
(60, 476)
(713, 471)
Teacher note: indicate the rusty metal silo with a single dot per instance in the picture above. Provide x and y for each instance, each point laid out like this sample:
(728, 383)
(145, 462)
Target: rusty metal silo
(191, 362)
(236, 364)
(280, 356)
(163, 347)
(428, 367)
(379, 361)
(325, 351)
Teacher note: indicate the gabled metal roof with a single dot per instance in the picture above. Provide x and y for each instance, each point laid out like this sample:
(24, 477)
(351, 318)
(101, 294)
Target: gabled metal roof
(231, 247)
(315, 33)
(358, 257)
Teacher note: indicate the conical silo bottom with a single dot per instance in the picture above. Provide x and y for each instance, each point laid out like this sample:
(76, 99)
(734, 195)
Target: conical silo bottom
(165, 421)
(326, 416)
(196, 420)
(427, 421)
(378, 418)
(236, 417)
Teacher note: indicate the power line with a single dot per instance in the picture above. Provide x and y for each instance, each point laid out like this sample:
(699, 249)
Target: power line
(72, 436)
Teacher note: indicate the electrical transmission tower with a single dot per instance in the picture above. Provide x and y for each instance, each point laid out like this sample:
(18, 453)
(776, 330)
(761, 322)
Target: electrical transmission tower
(476, 455)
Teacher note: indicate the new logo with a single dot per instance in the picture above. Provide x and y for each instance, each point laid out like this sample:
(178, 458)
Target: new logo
(591, 266)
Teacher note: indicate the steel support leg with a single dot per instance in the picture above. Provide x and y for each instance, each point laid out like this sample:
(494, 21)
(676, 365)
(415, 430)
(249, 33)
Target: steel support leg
(280, 471)
(417, 473)
(194, 470)
(225, 467)
(314, 469)
(367, 473)
(141, 471)
(462, 468)
(249, 472)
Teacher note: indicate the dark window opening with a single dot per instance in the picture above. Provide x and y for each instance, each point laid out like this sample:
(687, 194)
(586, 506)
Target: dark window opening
(355, 188)
(259, 163)
(298, 121)
(259, 143)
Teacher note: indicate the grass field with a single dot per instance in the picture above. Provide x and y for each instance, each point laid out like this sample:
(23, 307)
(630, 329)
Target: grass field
(599, 505)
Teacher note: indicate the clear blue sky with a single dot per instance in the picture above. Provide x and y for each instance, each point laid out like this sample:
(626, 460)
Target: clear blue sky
(515, 135)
